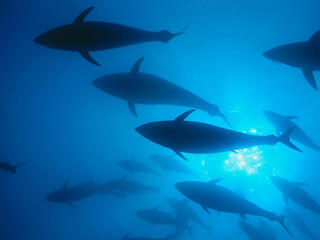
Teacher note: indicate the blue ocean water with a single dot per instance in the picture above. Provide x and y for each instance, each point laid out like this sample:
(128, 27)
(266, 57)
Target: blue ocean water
(56, 120)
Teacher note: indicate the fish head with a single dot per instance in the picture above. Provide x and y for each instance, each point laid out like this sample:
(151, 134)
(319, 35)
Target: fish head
(163, 133)
(118, 85)
(269, 115)
(282, 54)
(142, 214)
(65, 38)
(189, 189)
(298, 54)
(272, 54)
(277, 181)
(54, 196)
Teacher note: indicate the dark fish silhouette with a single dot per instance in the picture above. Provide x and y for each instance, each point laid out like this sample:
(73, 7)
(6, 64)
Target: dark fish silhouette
(297, 221)
(142, 88)
(196, 137)
(261, 232)
(84, 37)
(74, 193)
(159, 217)
(303, 55)
(293, 191)
(10, 168)
(127, 237)
(283, 123)
(168, 163)
(185, 213)
(123, 187)
(132, 166)
(212, 196)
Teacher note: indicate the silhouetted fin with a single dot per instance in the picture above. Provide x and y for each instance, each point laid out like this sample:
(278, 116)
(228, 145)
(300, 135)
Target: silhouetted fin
(280, 220)
(205, 208)
(292, 117)
(190, 230)
(315, 38)
(286, 200)
(226, 120)
(285, 139)
(166, 36)
(132, 108)
(70, 204)
(65, 184)
(125, 236)
(87, 56)
(180, 155)
(308, 74)
(82, 15)
(183, 116)
(215, 181)
(136, 66)
(182, 31)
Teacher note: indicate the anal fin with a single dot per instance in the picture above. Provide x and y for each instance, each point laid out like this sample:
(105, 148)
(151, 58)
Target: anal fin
(132, 108)
(205, 208)
(87, 56)
(308, 74)
(180, 155)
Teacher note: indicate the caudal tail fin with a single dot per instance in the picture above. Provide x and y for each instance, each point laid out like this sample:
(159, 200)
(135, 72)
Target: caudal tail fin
(280, 220)
(166, 36)
(285, 139)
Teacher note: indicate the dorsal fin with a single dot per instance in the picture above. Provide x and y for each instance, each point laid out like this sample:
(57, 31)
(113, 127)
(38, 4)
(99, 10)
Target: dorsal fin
(82, 15)
(183, 116)
(215, 181)
(136, 66)
(65, 184)
(314, 38)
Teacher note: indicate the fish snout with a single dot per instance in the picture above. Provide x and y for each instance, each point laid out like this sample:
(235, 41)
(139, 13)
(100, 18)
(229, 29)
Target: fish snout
(271, 55)
(40, 40)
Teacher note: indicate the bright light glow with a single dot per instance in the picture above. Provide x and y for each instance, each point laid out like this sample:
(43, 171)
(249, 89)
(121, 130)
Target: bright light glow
(248, 159)
(253, 131)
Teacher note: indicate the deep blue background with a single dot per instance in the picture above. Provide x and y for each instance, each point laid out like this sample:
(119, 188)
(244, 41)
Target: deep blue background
(55, 118)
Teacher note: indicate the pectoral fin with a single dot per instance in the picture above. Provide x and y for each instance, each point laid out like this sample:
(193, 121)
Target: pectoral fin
(132, 108)
(244, 217)
(70, 204)
(180, 155)
(205, 208)
(87, 56)
(308, 74)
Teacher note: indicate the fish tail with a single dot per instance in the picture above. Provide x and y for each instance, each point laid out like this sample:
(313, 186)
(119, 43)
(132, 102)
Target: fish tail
(285, 139)
(280, 219)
